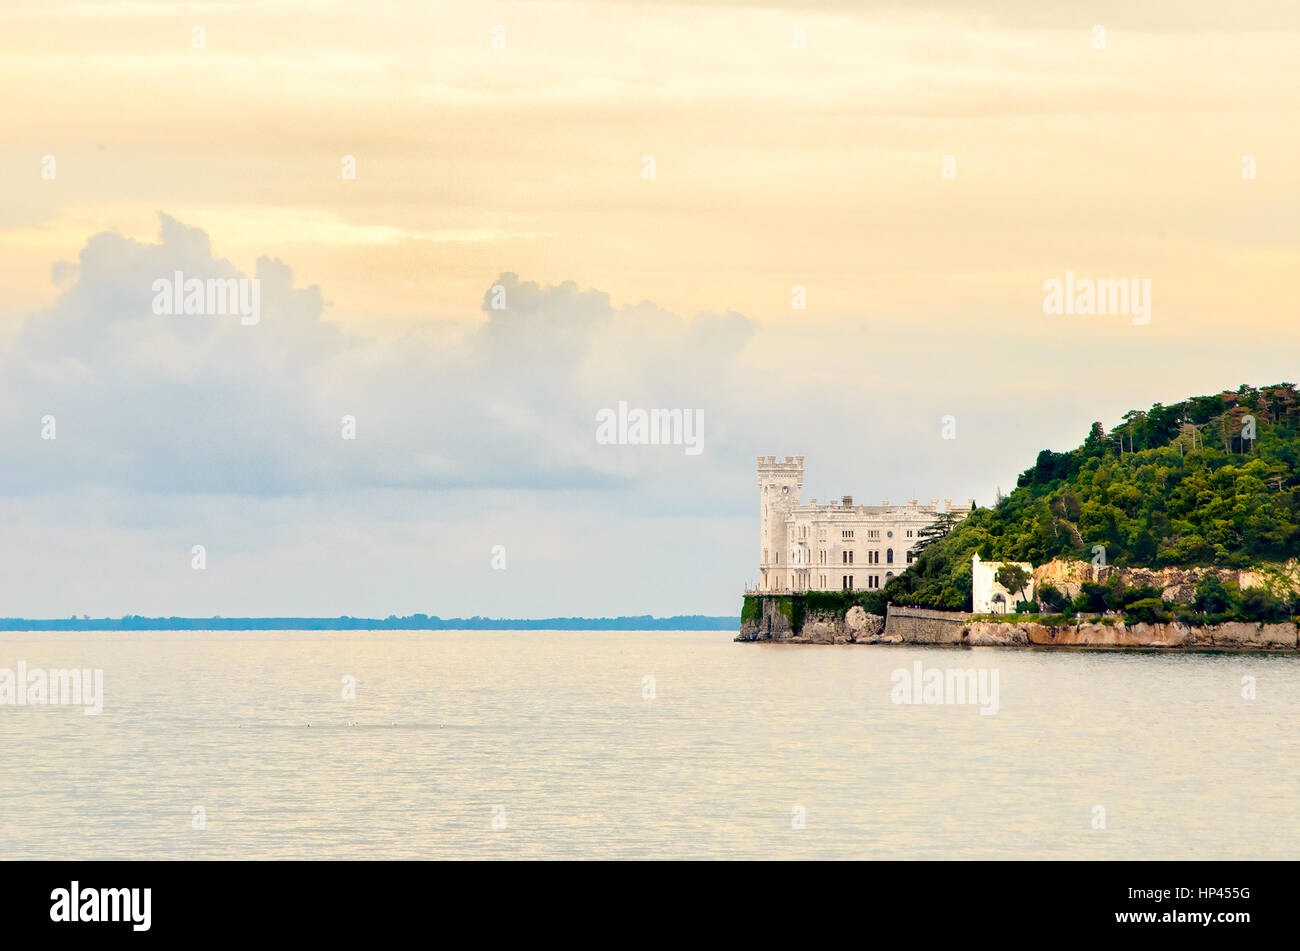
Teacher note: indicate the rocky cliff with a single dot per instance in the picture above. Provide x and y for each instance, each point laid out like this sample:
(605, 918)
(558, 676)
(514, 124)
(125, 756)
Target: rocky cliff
(782, 619)
(1232, 635)
(1176, 584)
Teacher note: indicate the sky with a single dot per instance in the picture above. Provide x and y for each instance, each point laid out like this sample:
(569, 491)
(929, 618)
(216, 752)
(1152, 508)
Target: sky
(826, 227)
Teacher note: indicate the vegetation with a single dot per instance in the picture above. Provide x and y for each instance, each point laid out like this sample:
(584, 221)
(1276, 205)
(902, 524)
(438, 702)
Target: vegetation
(944, 522)
(797, 607)
(839, 602)
(1215, 602)
(1013, 578)
(1208, 481)
(793, 609)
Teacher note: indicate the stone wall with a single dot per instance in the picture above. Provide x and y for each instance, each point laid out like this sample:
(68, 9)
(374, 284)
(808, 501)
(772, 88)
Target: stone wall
(905, 625)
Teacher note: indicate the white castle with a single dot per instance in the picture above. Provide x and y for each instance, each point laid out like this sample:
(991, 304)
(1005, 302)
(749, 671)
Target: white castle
(833, 546)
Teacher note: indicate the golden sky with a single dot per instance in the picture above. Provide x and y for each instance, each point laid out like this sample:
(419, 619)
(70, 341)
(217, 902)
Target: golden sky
(775, 165)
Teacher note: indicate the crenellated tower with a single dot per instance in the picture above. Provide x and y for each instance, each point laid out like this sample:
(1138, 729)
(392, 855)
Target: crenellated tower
(780, 485)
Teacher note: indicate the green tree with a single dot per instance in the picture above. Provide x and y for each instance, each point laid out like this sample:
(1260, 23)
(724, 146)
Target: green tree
(1052, 597)
(1012, 577)
(1211, 595)
(944, 522)
(1161, 503)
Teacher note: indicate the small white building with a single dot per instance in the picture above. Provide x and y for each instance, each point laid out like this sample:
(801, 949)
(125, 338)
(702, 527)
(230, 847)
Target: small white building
(989, 597)
(833, 546)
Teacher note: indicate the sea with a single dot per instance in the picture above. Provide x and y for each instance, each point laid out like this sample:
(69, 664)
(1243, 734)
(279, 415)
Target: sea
(642, 745)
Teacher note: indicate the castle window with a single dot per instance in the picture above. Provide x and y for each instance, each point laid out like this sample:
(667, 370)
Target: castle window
(889, 555)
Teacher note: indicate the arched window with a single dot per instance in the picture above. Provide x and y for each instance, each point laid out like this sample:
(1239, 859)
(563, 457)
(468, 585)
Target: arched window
(889, 556)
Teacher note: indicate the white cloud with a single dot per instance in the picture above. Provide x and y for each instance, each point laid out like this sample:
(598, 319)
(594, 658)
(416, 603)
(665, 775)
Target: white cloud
(175, 431)
(204, 404)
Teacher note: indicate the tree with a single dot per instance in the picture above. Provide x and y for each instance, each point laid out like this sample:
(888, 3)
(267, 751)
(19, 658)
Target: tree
(943, 523)
(1091, 598)
(1160, 506)
(1211, 595)
(1146, 611)
(1096, 437)
(1013, 578)
(1052, 597)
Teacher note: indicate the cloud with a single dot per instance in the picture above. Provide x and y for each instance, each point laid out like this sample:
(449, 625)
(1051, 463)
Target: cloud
(204, 404)
(175, 431)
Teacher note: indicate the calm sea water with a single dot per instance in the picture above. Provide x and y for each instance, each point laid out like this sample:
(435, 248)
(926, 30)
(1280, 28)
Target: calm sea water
(553, 728)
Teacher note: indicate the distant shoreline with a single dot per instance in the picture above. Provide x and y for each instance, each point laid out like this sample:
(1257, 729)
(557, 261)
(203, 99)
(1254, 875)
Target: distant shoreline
(416, 622)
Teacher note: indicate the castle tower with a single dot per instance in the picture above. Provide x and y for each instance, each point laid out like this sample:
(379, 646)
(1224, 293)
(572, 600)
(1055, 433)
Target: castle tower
(779, 487)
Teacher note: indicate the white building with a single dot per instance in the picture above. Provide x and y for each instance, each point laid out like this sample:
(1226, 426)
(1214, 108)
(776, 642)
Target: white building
(835, 545)
(989, 597)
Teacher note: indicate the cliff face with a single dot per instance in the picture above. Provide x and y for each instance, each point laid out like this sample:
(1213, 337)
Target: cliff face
(1176, 584)
(771, 623)
(855, 627)
(777, 620)
(1230, 635)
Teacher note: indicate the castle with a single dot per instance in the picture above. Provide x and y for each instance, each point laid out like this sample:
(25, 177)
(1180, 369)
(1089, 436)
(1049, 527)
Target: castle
(833, 546)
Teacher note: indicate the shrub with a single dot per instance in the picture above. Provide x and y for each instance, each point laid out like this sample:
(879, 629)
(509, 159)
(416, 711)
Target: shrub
(1052, 597)
(1211, 596)
(1091, 597)
(1146, 611)
(1258, 605)
(1142, 592)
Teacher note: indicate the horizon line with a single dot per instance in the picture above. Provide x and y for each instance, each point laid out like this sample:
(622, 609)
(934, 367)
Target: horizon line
(412, 622)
